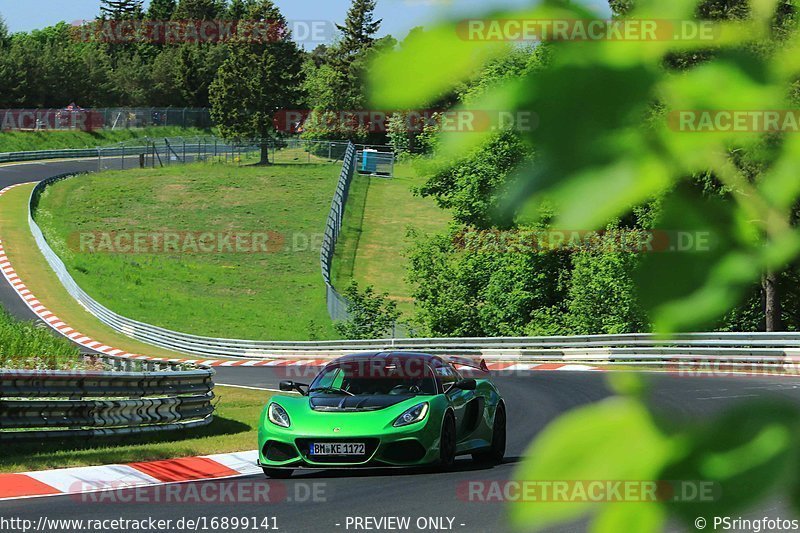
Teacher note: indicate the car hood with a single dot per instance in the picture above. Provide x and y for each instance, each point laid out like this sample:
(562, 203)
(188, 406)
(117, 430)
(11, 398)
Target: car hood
(340, 403)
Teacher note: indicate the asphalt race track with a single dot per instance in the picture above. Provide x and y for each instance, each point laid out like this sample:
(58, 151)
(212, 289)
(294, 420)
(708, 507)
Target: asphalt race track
(322, 501)
(533, 400)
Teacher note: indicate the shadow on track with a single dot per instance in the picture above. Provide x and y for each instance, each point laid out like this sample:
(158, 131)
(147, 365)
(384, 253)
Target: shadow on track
(461, 465)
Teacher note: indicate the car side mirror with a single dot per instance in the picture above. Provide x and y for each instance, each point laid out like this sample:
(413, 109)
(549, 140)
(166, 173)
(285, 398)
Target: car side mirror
(291, 386)
(466, 384)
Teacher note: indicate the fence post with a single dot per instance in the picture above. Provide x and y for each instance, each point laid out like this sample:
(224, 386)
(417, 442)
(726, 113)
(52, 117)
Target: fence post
(123, 156)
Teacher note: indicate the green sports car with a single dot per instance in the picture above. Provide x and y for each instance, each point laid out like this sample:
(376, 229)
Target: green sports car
(386, 409)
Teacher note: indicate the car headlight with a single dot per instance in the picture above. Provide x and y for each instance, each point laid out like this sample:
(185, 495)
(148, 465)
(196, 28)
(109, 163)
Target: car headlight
(415, 414)
(278, 415)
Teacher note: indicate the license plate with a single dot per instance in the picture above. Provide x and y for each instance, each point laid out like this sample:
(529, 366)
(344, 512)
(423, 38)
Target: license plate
(338, 448)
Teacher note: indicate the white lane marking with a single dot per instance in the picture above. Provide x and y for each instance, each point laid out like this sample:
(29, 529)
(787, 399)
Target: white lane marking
(242, 462)
(245, 387)
(731, 396)
(87, 478)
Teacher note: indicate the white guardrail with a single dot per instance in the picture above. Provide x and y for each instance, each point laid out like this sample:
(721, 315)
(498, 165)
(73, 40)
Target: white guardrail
(765, 348)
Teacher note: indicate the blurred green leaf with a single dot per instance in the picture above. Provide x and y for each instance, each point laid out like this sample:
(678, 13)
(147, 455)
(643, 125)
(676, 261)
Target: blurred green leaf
(693, 235)
(611, 440)
(427, 66)
(764, 10)
(746, 452)
(431, 62)
(630, 517)
(612, 189)
(780, 185)
(627, 383)
(492, 114)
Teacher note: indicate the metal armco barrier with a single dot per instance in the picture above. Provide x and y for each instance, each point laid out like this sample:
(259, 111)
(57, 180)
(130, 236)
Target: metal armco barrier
(168, 148)
(37, 383)
(337, 304)
(44, 404)
(71, 154)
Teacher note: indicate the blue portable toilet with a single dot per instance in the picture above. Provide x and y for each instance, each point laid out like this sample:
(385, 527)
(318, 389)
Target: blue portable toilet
(369, 161)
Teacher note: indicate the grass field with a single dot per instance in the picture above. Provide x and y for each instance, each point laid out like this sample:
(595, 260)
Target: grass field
(275, 295)
(373, 244)
(34, 271)
(234, 429)
(19, 141)
(23, 346)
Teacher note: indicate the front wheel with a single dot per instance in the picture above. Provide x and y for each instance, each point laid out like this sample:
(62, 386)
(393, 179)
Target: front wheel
(278, 473)
(447, 442)
(495, 453)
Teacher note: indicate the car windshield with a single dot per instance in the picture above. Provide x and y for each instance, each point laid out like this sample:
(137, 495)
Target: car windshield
(369, 377)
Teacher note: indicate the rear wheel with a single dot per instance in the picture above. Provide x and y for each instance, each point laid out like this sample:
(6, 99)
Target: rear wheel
(447, 442)
(278, 473)
(497, 450)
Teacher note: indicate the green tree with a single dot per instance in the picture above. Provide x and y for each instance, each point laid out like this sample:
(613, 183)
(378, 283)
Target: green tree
(466, 286)
(3, 31)
(131, 79)
(335, 76)
(358, 32)
(161, 9)
(13, 79)
(167, 82)
(237, 9)
(473, 186)
(196, 67)
(121, 9)
(372, 316)
(199, 9)
(51, 73)
(255, 81)
(602, 296)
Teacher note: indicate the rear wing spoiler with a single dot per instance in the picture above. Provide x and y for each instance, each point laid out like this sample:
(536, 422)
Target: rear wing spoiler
(478, 364)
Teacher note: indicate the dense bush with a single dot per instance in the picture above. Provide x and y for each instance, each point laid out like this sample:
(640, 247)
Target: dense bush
(23, 345)
(372, 315)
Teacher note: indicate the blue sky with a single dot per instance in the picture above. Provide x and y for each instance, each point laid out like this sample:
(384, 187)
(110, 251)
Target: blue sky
(398, 15)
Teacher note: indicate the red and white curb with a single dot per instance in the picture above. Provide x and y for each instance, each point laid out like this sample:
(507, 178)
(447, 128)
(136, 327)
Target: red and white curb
(87, 479)
(84, 340)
